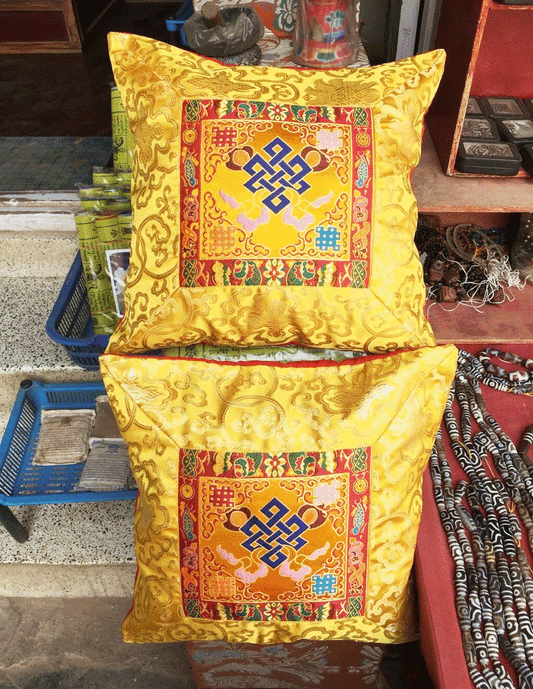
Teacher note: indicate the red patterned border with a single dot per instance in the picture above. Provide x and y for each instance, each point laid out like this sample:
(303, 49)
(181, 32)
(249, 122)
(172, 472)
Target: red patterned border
(209, 473)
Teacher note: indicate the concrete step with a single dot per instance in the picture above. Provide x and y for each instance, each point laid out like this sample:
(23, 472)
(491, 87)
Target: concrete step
(38, 240)
(76, 643)
(37, 233)
(74, 549)
(65, 542)
(64, 539)
(26, 351)
(37, 253)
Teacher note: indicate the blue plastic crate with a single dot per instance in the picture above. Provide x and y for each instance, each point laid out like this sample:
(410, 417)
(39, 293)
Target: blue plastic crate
(175, 22)
(70, 323)
(22, 483)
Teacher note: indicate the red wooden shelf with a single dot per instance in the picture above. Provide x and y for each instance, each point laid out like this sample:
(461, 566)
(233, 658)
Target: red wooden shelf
(437, 192)
(461, 324)
(28, 26)
(496, 6)
(47, 26)
(489, 53)
(440, 194)
(440, 635)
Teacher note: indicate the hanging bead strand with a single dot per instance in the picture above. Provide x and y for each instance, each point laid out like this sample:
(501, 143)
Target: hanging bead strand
(439, 469)
(485, 518)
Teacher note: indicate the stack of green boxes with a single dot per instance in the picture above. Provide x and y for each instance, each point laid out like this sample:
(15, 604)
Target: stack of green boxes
(104, 226)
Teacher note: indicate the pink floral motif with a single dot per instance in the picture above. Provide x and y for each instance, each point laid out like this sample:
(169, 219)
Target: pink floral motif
(190, 209)
(190, 557)
(355, 554)
(329, 140)
(326, 493)
(360, 210)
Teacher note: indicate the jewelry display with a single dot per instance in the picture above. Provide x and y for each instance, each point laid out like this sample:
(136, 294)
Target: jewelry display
(487, 516)
(464, 262)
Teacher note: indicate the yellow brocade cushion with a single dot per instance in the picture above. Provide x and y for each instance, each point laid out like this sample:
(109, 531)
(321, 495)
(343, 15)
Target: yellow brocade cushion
(277, 501)
(270, 205)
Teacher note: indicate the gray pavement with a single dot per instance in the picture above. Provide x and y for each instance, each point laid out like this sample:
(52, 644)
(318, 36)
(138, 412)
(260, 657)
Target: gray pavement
(76, 643)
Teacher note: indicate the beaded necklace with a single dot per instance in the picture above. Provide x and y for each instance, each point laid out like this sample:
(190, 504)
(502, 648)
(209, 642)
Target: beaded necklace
(484, 518)
(495, 376)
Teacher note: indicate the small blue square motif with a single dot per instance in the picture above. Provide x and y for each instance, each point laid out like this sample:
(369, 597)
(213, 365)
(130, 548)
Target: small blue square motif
(327, 237)
(325, 583)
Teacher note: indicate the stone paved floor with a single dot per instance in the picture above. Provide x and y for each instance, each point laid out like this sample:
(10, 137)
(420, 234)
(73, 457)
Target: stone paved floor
(50, 162)
(76, 643)
(52, 643)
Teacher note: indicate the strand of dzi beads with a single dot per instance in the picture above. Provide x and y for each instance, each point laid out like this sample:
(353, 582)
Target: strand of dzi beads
(520, 486)
(477, 650)
(515, 652)
(505, 456)
(500, 446)
(469, 453)
(475, 372)
(472, 466)
(493, 583)
(495, 376)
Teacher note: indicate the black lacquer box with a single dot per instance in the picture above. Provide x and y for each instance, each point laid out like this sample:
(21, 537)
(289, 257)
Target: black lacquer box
(518, 131)
(480, 129)
(527, 158)
(515, 2)
(528, 102)
(475, 107)
(499, 107)
(487, 158)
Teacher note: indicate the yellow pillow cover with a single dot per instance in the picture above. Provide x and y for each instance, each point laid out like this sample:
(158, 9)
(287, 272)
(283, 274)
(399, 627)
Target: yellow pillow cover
(277, 501)
(271, 205)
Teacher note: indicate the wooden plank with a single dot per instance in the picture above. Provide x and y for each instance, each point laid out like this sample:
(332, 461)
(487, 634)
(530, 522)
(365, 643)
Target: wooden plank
(71, 23)
(461, 324)
(459, 32)
(407, 29)
(437, 192)
(37, 47)
(30, 5)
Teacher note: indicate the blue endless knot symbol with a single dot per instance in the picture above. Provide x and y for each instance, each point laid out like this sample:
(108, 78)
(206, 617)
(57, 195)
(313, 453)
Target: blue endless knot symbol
(274, 534)
(277, 174)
